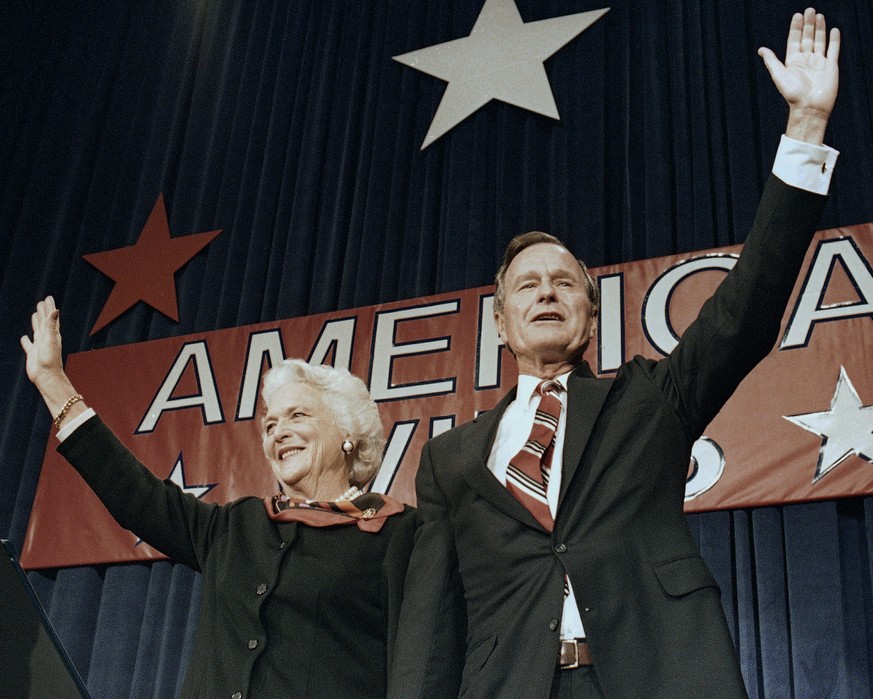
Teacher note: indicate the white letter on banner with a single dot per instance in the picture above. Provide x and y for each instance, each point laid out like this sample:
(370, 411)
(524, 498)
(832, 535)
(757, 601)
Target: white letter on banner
(656, 307)
(439, 425)
(488, 353)
(339, 334)
(707, 465)
(207, 399)
(610, 323)
(267, 343)
(810, 310)
(395, 449)
(385, 349)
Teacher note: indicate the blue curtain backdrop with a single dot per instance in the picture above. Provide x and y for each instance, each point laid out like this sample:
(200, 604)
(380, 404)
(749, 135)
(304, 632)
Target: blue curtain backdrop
(286, 124)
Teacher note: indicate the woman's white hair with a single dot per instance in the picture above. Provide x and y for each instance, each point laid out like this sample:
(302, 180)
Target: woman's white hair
(348, 399)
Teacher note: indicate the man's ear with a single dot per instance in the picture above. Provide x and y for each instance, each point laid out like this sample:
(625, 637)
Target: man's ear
(500, 325)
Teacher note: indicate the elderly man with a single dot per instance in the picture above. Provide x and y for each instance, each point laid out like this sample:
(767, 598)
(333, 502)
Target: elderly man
(560, 511)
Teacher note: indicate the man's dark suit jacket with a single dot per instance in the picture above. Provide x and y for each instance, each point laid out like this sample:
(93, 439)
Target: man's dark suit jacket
(650, 606)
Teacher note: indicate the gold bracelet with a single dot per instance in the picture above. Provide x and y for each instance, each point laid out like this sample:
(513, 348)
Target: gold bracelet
(69, 404)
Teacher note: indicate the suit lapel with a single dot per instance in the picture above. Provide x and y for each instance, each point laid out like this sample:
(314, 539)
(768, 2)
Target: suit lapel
(474, 465)
(585, 396)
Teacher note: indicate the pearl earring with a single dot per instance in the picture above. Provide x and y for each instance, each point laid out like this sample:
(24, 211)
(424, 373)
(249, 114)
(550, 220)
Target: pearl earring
(347, 446)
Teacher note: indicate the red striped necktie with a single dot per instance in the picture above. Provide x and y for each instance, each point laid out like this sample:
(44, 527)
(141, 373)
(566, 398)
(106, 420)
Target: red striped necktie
(527, 476)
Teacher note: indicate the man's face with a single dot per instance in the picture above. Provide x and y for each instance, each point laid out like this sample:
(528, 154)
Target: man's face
(547, 317)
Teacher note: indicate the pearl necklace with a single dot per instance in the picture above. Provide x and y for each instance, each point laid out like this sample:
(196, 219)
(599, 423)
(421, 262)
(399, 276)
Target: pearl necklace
(350, 494)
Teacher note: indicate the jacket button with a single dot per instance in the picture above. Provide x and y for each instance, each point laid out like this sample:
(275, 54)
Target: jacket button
(282, 545)
(561, 548)
(262, 588)
(553, 624)
(253, 643)
(236, 695)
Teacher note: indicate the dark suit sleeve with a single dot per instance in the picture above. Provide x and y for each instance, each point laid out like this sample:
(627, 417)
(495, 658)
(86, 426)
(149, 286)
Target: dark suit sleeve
(430, 648)
(739, 324)
(394, 569)
(176, 524)
(432, 502)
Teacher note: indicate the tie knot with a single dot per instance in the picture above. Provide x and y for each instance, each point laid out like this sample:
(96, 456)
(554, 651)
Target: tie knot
(550, 387)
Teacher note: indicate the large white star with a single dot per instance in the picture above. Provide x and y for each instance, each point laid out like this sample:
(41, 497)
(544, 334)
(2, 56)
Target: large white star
(502, 59)
(845, 429)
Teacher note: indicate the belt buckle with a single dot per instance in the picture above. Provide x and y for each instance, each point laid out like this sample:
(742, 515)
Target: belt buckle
(575, 663)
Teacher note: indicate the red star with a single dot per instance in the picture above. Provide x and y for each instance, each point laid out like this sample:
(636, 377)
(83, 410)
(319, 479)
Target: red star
(146, 270)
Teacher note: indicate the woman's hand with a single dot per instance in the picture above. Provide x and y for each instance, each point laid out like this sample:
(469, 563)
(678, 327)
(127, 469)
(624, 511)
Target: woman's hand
(45, 366)
(44, 351)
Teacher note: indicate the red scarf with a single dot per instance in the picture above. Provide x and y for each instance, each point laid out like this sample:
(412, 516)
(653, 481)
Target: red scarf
(369, 511)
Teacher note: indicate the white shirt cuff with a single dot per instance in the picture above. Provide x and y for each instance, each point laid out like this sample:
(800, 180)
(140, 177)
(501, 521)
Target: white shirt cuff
(73, 423)
(805, 165)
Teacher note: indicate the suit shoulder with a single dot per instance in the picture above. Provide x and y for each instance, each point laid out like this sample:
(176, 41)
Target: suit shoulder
(453, 436)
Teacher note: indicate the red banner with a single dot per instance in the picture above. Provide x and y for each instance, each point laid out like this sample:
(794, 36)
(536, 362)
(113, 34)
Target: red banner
(799, 427)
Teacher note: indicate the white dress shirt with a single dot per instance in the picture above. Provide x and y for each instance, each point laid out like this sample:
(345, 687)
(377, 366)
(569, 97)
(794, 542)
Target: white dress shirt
(512, 433)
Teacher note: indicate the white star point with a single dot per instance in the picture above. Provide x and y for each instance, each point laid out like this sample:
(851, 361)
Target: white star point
(177, 476)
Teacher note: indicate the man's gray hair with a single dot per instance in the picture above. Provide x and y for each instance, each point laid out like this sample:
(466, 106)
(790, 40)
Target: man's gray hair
(525, 240)
(348, 400)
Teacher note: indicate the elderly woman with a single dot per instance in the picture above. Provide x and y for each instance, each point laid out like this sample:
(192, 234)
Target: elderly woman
(301, 590)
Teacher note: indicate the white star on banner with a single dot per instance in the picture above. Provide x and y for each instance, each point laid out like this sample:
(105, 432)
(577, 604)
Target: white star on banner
(502, 59)
(177, 476)
(845, 429)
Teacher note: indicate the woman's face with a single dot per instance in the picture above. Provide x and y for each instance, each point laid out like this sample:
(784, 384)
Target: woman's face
(303, 444)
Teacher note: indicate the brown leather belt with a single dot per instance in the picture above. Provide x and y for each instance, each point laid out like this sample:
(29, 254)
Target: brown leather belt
(574, 653)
